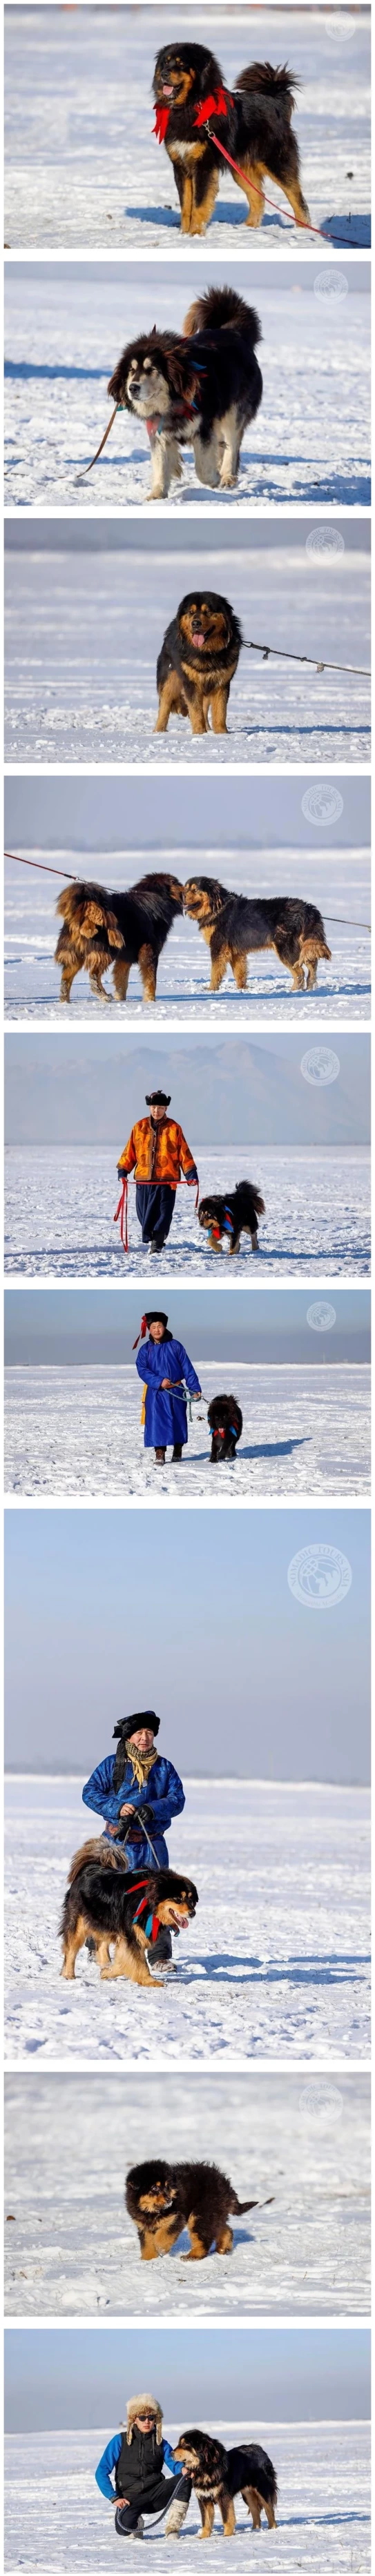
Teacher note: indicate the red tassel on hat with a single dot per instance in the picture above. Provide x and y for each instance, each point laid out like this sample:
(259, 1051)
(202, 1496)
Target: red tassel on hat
(141, 1335)
(162, 115)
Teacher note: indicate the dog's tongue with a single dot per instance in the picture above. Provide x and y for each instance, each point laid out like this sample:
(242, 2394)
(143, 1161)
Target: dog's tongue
(198, 638)
(167, 93)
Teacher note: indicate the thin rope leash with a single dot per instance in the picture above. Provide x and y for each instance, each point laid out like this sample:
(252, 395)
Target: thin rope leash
(285, 654)
(41, 864)
(344, 917)
(269, 201)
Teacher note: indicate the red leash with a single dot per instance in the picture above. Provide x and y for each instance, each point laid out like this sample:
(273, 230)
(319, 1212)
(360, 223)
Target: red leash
(121, 1212)
(269, 201)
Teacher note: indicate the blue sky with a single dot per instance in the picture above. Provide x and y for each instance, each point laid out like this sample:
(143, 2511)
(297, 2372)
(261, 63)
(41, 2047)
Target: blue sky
(71, 1326)
(56, 2379)
(216, 813)
(123, 1609)
(224, 1090)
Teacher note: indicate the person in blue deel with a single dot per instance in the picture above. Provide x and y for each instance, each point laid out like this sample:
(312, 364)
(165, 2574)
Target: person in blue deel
(164, 1366)
(138, 2455)
(137, 1782)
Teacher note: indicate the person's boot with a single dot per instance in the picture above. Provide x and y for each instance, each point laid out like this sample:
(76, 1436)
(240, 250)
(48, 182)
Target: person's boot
(153, 1245)
(176, 2516)
(176, 1452)
(139, 2529)
(160, 1457)
(161, 1949)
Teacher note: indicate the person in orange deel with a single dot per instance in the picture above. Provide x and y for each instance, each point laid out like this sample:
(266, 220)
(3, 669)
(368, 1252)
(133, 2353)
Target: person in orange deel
(158, 1154)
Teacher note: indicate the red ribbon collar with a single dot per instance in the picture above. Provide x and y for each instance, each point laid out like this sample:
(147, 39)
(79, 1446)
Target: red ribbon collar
(209, 107)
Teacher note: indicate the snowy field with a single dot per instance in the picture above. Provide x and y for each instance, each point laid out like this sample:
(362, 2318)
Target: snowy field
(55, 2517)
(70, 2248)
(59, 1215)
(65, 329)
(84, 629)
(277, 1954)
(78, 1431)
(337, 880)
(83, 166)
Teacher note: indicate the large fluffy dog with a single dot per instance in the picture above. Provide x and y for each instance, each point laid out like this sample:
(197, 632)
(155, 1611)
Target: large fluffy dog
(218, 2475)
(201, 390)
(225, 1219)
(225, 1421)
(163, 2198)
(121, 930)
(235, 925)
(197, 662)
(107, 1904)
(254, 125)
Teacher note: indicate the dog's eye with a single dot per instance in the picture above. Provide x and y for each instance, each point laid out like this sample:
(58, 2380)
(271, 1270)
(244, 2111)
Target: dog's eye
(147, 365)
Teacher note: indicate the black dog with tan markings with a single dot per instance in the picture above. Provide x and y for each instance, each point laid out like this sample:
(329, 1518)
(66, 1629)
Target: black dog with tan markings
(225, 1219)
(218, 2475)
(197, 662)
(236, 925)
(254, 125)
(107, 1906)
(126, 929)
(163, 2198)
(200, 390)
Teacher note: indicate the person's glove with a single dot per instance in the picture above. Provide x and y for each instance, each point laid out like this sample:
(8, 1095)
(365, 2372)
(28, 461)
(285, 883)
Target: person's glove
(144, 1816)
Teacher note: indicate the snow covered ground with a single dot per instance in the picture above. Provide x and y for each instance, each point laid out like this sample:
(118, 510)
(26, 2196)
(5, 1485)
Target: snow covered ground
(274, 1965)
(78, 1431)
(337, 880)
(84, 628)
(65, 328)
(59, 1215)
(56, 2518)
(70, 2248)
(83, 166)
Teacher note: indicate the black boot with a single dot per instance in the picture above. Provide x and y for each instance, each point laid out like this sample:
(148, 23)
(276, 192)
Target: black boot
(177, 1451)
(161, 1949)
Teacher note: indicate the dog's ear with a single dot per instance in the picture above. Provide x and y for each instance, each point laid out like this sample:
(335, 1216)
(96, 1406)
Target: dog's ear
(181, 373)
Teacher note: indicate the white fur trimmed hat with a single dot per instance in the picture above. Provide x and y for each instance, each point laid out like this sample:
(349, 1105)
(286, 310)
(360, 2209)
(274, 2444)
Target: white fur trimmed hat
(141, 2406)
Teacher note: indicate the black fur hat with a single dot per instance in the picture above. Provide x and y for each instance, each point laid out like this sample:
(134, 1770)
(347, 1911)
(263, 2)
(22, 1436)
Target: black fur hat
(127, 1727)
(157, 1099)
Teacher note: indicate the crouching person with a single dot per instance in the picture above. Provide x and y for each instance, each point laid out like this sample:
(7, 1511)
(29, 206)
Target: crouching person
(138, 2456)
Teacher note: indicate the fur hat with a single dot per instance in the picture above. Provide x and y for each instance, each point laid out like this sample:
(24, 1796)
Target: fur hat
(141, 1717)
(139, 2406)
(157, 1099)
(155, 1317)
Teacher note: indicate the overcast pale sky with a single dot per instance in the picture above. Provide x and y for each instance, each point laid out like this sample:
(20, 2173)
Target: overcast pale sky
(79, 1327)
(224, 1090)
(215, 1589)
(215, 813)
(75, 2377)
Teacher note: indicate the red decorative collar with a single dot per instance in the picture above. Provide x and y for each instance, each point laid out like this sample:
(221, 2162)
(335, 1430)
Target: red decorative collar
(209, 107)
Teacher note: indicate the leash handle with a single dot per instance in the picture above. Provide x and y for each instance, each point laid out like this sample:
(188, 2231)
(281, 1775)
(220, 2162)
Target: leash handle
(122, 1212)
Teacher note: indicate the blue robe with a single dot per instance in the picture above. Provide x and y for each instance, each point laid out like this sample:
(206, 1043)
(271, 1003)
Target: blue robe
(162, 1791)
(165, 1413)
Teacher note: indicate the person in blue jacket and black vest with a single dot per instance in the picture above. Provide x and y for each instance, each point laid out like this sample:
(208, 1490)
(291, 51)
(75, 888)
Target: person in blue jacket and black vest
(138, 1782)
(138, 2455)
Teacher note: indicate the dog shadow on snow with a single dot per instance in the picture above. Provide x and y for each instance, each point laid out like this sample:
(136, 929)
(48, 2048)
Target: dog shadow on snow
(260, 1449)
(329, 1970)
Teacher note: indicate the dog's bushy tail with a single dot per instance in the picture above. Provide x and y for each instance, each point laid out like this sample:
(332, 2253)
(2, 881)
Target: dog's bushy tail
(85, 908)
(237, 2207)
(219, 308)
(96, 1849)
(253, 1196)
(276, 82)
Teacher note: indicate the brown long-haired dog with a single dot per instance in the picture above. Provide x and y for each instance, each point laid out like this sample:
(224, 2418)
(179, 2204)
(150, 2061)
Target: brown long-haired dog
(163, 2198)
(193, 105)
(106, 1905)
(236, 925)
(104, 929)
(218, 2475)
(197, 662)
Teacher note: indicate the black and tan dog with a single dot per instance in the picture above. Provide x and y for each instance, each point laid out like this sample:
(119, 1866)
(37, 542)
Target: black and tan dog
(218, 2475)
(236, 925)
(104, 929)
(197, 662)
(225, 1422)
(201, 390)
(254, 125)
(225, 1219)
(163, 2198)
(108, 1905)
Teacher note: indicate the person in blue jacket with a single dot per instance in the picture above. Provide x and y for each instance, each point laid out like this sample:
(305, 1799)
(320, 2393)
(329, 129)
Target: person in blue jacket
(163, 1369)
(137, 1778)
(138, 2455)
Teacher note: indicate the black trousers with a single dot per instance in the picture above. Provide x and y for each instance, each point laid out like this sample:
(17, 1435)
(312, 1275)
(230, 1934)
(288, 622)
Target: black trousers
(156, 2500)
(154, 1205)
